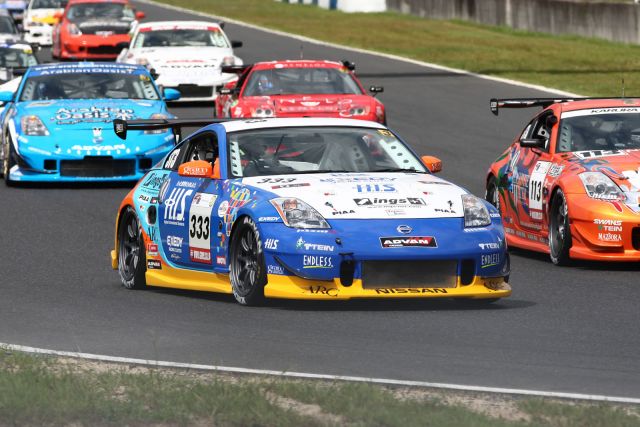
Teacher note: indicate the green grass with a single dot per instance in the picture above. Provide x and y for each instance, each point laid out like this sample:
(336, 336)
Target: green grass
(585, 66)
(36, 390)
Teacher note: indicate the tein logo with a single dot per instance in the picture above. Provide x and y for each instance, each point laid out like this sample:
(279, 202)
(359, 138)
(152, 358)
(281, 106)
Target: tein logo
(408, 241)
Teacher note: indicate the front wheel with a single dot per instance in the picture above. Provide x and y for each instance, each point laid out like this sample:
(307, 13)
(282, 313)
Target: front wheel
(8, 160)
(559, 231)
(247, 269)
(492, 195)
(131, 253)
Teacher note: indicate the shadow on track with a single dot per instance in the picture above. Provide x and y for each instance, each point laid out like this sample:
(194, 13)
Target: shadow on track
(577, 264)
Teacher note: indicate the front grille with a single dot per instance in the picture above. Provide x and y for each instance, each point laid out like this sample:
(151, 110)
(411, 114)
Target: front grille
(97, 167)
(104, 50)
(103, 29)
(409, 274)
(194, 91)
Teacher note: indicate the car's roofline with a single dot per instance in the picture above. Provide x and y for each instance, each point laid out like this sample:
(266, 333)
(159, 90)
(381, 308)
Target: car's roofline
(297, 63)
(249, 124)
(186, 23)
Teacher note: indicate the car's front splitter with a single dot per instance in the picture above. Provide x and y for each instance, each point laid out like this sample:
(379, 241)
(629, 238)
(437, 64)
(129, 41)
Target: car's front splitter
(18, 174)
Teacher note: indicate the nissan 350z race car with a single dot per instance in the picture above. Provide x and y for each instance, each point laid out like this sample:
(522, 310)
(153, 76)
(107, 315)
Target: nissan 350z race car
(306, 208)
(569, 185)
(185, 55)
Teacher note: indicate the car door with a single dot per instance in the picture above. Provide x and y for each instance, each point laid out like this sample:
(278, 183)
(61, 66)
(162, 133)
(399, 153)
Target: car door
(187, 216)
(528, 171)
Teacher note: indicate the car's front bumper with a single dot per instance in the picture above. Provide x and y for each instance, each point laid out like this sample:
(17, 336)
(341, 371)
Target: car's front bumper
(93, 47)
(41, 34)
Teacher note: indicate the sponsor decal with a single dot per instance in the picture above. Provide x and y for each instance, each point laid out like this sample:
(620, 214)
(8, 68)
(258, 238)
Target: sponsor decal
(144, 198)
(485, 246)
(271, 244)
(152, 181)
(171, 160)
(294, 185)
(175, 257)
(154, 264)
(69, 116)
(310, 230)
(344, 212)
(204, 200)
(404, 229)
(269, 219)
(98, 148)
(634, 177)
(408, 241)
(323, 290)
(223, 208)
(317, 261)
(555, 170)
(411, 291)
(97, 135)
(434, 182)
(610, 237)
(186, 184)
(394, 212)
(200, 255)
(275, 269)
(592, 154)
(535, 214)
(301, 244)
(494, 215)
(275, 180)
(338, 179)
(489, 260)
(375, 201)
(194, 171)
(221, 260)
(448, 210)
(175, 206)
(474, 229)
(375, 188)
(152, 249)
(175, 244)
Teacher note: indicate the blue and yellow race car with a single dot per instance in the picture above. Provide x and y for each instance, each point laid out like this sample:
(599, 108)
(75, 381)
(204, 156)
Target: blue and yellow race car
(305, 208)
(57, 125)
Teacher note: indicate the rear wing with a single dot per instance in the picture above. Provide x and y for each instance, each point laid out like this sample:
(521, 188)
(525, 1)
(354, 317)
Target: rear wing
(495, 104)
(121, 127)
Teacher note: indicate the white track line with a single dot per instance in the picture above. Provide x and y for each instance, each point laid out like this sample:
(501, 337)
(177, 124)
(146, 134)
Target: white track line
(366, 51)
(288, 374)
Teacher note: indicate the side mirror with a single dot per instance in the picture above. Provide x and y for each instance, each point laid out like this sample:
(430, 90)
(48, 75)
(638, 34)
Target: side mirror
(6, 96)
(226, 91)
(236, 44)
(376, 89)
(140, 15)
(533, 142)
(171, 94)
(58, 15)
(434, 164)
(222, 24)
(196, 169)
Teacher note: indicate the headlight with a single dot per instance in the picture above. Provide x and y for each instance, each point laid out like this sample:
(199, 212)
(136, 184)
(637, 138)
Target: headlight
(156, 116)
(33, 126)
(264, 111)
(475, 212)
(142, 61)
(74, 30)
(229, 60)
(297, 214)
(599, 186)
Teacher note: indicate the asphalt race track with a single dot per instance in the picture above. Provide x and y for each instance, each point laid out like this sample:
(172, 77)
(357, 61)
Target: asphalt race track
(569, 329)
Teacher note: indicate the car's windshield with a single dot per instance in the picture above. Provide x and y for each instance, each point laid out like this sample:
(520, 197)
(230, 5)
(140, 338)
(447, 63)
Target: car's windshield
(89, 86)
(46, 4)
(319, 80)
(101, 11)
(599, 129)
(12, 57)
(282, 151)
(7, 25)
(181, 37)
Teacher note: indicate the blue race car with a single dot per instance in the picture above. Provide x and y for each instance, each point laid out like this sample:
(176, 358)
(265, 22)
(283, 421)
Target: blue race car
(305, 208)
(52, 126)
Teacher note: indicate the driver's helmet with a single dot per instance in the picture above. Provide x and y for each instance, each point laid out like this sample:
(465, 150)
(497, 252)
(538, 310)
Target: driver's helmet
(264, 83)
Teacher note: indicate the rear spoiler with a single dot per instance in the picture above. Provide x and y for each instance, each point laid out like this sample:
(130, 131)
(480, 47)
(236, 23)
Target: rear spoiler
(121, 127)
(495, 104)
(235, 69)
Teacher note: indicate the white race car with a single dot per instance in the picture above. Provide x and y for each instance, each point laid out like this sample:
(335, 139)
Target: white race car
(39, 20)
(186, 55)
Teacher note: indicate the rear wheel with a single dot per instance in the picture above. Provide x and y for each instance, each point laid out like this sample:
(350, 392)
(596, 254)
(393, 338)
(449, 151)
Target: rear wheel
(131, 253)
(492, 195)
(559, 231)
(247, 269)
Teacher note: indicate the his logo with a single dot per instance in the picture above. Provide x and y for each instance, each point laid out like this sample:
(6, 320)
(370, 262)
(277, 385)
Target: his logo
(97, 135)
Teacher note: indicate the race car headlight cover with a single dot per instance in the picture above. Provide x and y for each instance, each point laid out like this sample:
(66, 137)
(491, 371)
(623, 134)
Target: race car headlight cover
(297, 214)
(229, 60)
(599, 186)
(74, 30)
(142, 61)
(475, 212)
(33, 126)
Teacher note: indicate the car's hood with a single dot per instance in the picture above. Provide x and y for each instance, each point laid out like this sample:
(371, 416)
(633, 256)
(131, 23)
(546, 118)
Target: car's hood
(183, 56)
(300, 104)
(64, 115)
(623, 166)
(369, 195)
(44, 15)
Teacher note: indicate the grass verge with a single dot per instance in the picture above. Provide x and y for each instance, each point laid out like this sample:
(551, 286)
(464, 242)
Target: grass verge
(37, 390)
(587, 66)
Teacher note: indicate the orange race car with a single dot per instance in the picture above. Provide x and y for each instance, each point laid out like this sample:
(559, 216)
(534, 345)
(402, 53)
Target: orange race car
(93, 29)
(569, 185)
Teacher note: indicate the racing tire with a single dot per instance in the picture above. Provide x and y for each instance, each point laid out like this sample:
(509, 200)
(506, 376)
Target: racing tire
(131, 251)
(492, 195)
(559, 230)
(247, 270)
(8, 162)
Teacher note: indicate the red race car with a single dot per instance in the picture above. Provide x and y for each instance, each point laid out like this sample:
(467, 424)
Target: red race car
(93, 29)
(308, 88)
